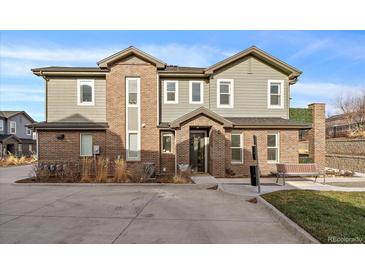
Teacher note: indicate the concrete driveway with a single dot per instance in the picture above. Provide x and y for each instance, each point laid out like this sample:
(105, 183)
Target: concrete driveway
(130, 214)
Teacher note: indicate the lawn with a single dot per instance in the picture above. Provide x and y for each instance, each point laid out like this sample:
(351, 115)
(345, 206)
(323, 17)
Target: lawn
(331, 217)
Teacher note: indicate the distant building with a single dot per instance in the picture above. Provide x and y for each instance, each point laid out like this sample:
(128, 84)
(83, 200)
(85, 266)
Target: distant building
(15, 137)
(338, 126)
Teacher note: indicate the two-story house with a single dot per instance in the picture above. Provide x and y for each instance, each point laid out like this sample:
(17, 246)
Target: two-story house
(15, 137)
(136, 107)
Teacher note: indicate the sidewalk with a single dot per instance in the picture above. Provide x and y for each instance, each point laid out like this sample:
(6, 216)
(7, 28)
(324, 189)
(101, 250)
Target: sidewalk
(241, 186)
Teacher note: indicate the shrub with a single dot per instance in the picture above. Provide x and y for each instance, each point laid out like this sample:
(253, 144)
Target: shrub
(102, 166)
(86, 169)
(121, 174)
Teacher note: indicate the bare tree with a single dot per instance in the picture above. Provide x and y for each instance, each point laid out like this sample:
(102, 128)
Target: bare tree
(353, 109)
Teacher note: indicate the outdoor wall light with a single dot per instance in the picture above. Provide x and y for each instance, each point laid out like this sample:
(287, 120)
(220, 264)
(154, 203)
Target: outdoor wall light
(60, 136)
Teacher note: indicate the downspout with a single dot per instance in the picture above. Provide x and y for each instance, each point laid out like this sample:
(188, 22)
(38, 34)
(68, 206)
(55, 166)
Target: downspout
(46, 91)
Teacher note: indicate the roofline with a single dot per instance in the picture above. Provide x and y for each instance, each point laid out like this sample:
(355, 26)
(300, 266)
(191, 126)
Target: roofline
(306, 126)
(131, 50)
(21, 112)
(254, 50)
(12, 136)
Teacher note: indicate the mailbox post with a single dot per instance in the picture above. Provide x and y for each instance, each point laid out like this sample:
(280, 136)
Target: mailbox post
(255, 169)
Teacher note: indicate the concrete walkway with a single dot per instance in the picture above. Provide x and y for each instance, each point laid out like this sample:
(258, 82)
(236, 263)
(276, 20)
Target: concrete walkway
(130, 214)
(241, 186)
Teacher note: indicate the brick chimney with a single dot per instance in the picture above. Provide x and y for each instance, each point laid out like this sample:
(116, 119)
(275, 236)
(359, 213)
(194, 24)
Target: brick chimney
(317, 135)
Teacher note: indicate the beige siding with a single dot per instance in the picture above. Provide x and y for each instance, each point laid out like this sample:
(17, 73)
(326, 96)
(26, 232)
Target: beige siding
(62, 101)
(172, 111)
(250, 77)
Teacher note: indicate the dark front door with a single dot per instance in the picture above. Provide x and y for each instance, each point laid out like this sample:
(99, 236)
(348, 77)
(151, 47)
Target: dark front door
(197, 151)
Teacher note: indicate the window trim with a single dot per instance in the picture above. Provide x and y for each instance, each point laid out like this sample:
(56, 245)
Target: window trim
(92, 84)
(233, 162)
(231, 93)
(1, 125)
(281, 93)
(169, 134)
(28, 131)
(277, 147)
(81, 134)
(191, 92)
(138, 131)
(10, 127)
(176, 91)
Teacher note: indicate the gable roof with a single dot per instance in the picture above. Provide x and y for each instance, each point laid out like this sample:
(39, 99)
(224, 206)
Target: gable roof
(260, 54)
(200, 111)
(5, 137)
(131, 51)
(10, 113)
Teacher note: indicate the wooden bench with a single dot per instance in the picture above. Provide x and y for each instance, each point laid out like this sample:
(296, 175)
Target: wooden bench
(298, 170)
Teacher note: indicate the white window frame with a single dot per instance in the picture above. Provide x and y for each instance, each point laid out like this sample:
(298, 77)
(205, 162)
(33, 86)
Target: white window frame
(86, 155)
(12, 124)
(168, 134)
(28, 131)
(176, 91)
(231, 93)
(191, 92)
(138, 131)
(1, 125)
(277, 146)
(241, 147)
(281, 93)
(91, 82)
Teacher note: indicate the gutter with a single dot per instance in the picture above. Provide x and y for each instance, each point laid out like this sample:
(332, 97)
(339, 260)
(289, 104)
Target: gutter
(46, 91)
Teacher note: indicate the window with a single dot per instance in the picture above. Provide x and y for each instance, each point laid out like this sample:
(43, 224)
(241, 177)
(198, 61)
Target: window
(86, 144)
(85, 92)
(28, 131)
(171, 92)
(275, 94)
(1, 125)
(133, 146)
(167, 142)
(224, 93)
(133, 91)
(12, 127)
(20, 149)
(196, 92)
(236, 148)
(273, 148)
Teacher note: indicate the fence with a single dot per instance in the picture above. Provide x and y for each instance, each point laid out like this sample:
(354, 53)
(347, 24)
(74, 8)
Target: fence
(346, 154)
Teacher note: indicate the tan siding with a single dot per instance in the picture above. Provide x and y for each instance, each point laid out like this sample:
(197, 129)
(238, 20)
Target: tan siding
(250, 89)
(250, 92)
(171, 112)
(62, 101)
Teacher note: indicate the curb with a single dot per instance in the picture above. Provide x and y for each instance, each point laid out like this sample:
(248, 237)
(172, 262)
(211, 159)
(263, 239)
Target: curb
(295, 229)
(289, 224)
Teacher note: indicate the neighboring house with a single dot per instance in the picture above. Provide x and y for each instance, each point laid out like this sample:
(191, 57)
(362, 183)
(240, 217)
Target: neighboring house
(339, 126)
(15, 137)
(135, 107)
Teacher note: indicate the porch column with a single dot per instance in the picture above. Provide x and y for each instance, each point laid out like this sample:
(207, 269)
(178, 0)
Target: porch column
(317, 135)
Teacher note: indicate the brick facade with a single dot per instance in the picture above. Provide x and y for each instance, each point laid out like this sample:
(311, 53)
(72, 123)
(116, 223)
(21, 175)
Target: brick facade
(317, 135)
(116, 115)
(68, 149)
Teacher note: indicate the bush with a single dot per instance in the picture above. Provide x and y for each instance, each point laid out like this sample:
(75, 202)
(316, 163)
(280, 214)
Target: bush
(121, 174)
(86, 169)
(102, 166)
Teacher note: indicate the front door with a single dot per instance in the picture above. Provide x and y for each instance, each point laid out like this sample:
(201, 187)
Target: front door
(197, 151)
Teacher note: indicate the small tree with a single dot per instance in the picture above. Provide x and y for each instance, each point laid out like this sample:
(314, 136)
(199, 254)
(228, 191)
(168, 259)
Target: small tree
(353, 109)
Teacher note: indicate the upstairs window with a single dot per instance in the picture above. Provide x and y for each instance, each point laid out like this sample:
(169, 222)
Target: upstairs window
(28, 131)
(196, 92)
(85, 92)
(12, 127)
(275, 94)
(133, 91)
(224, 93)
(171, 92)
(236, 148)
(273, 148)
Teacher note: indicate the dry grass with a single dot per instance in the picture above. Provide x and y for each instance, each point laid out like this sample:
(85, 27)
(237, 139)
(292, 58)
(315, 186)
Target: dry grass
(12, 160)
(86, 169)
(180, 179)
(102, 166)
(121, 174)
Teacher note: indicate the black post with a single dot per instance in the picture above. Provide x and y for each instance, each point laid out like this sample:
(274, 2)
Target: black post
(255, 156)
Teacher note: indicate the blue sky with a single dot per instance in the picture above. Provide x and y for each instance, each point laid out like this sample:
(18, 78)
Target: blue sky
(333, 62)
